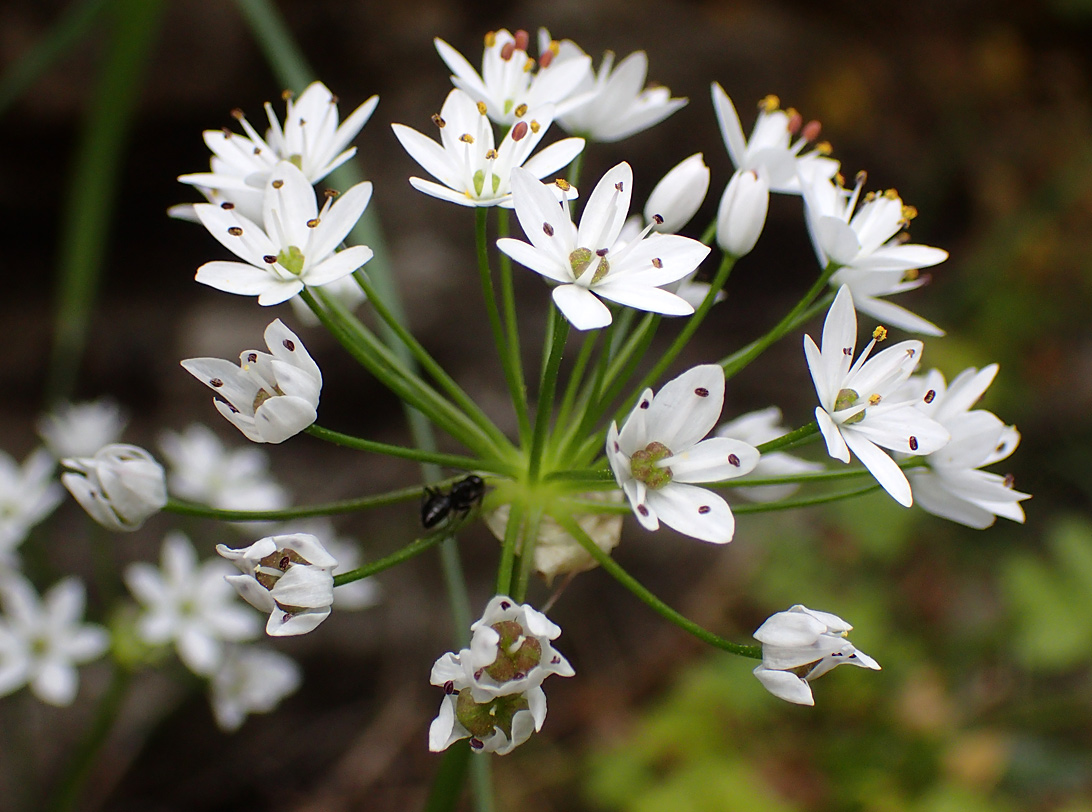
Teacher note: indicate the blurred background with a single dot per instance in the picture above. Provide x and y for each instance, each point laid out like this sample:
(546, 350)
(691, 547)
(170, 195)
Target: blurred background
(978, 113)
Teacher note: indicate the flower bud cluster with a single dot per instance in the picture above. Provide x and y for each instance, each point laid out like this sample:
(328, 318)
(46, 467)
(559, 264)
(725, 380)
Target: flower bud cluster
(493, 693)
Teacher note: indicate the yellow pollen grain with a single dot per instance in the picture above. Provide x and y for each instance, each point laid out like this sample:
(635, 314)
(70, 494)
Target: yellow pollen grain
(287, 94)
(466, 138)
(529, 65)
(535, 126)
(562, 184)
(824, 148)
(909, 213)
(491, 155)
(490, 39)
(482, 108)
(554, 47)
(911, 275)
(769, 103)
(438, 120)
(313, 222)
(874, 399)
(792, 112)
(891, 194)
(880, 333)
(521, 111)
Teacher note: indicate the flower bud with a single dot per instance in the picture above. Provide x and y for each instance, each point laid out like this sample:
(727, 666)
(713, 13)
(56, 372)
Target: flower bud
(742, 212)
(120, 487)
(679, 195)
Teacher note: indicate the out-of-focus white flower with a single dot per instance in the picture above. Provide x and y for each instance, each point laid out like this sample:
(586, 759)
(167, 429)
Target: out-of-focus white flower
(756, 428)
(311, 138)
(28, 493)
(289, 576)
(43, 640)
(344, 291)
(800, 645)
(771, 150)
(355, 594)
(190, 605)
(742, 212)
(471, 171)
(203, 470)
(660, 452)
(587, 262)
(270, 396)
(493, 692)
(120, 486)
(509, 80)
(952, 486)
(859, 407)
(616, 104)
(251, 679)
(296, 245)
(678, 195)
(81, 429)
(864, 241)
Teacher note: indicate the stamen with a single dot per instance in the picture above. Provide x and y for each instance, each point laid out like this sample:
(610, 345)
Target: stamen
(438, 120)
(657, 262)
(313, 222)
(701, 392)
(520, 111)
(483, 108)
(269, 259)
(733, 460)
(238, 114)
(466, 138)
(811, 130)
(519, 131)
(769, 103)
(913, 443)
(277, 184)
(703, 509)
(548, 229)
(216, 382)
(507, 51)
(289, 345)
(930, 395)
(880, 333)
(522, 40)
(235, 231)
(227, 206)
(535, 126)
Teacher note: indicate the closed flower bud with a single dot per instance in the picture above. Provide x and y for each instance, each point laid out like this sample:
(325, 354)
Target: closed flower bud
(679, 195)
(742, 212)
(120, 487)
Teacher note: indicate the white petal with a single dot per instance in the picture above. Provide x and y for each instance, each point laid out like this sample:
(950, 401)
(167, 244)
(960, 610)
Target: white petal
(581, 307)
(687, 408)
(694, 512)
(713, 460)
(882, 467)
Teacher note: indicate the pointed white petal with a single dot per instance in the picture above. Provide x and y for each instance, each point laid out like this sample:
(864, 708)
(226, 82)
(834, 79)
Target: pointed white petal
(693, 511)
(882, 467)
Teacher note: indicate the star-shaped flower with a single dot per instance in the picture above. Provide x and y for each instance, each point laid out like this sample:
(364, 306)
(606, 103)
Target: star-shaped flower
(295, 247)
(28, 493)
(660, 453)
(587, 262)
(252, 679)
(856, 411)
(471, 171)
(270, 396)
(81, 429)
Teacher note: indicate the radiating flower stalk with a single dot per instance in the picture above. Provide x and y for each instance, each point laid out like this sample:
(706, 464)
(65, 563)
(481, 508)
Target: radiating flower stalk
(605, 428)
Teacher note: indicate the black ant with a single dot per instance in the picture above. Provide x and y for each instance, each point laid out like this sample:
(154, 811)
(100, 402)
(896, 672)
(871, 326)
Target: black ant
(437, 505)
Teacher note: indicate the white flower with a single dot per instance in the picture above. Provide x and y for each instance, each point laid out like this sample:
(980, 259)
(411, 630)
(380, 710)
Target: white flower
(493, 692)
(289, 576)
(270, 396)
(471, 170)
(660, 451)
(251, 679)
(81, 429)
(190, 605)
(120, 486)
(756, 428)
(311, 138)
(856, 411)
(509, 81)
(28, 494)
(678, 195)
(296, 245)
(43, 640)
(800, 645)
(616, 102)
(587, 262)
(953, 487)
(771, 150)
(742, 212)
(204, 471)
(864, 241)
(355, 594)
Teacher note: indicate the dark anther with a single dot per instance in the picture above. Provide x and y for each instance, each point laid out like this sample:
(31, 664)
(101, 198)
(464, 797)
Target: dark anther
(932, 393)
(289, 345)
(283, 564)
(847, 351)
(657, 262)
(313, 222)
(449, 687)
(235, 231)
(618, 186)
(277, 184)
(520, 130)
(438, 120)
(505, 605)
(602, 252)
(269, 258)
(913, 443)
(548, 229)
(227, 206)
(733, 460)
(477, 743)
(658, 219)
(642, 510)
(1009, 480)
(216, 382)
(252, 357)
(704, 509)
(701, 392)
(645, 404)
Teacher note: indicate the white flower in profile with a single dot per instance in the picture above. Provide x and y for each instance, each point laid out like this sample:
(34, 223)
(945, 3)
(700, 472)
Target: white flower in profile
(741, 214)
(119, 487)
(952, 486)
(81, 429)
(311, 138)
(471, 170)
(771, 150)
(189, 604)
(660, 453)
(42, 640)
(678, 195)
(270, 396)
(860, 409)
(801, 645)
(296, 245)
(864, 241)
(205, 471)
(509, 80)
(756, 428)
(588, 262)
(289, 576)
(616, 102)
(251, 679)
(28, 493)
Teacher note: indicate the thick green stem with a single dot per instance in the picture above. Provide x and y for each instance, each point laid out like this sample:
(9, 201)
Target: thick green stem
(559, 329)
(614, 569)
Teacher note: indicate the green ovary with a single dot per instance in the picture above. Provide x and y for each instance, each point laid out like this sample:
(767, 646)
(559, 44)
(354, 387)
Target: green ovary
(480, 720)
(479, 182)
(643, 465)
(846, 399)
(517, 653)
(291, 260)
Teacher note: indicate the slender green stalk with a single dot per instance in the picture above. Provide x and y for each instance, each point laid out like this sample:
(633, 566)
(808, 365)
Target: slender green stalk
(575, 168)
(810, 501)
(614, 569)
(511, 329)
(510, 363)
(800, 312)
(598, 475)
(280, 49)
(91, 196)
(324, 509)
(551, 363)
(512, 534)
(792, 438)
(411, 550)
(792, 479)
(402, 452)
(76, 22)
(709, 233)
(576, 377)
(447, 786)
(527, 553)
(67, 792)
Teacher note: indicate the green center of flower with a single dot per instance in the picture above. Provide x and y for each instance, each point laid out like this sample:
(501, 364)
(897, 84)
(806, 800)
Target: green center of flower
(296, 160)
(263, 395)
(643, 465)
(517, 653)
(480, 720)
(846, 399)
(291, 260)
(581, 259)
(479, 182)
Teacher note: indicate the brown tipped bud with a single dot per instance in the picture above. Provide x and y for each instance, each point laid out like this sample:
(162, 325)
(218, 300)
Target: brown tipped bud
(522, 40)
